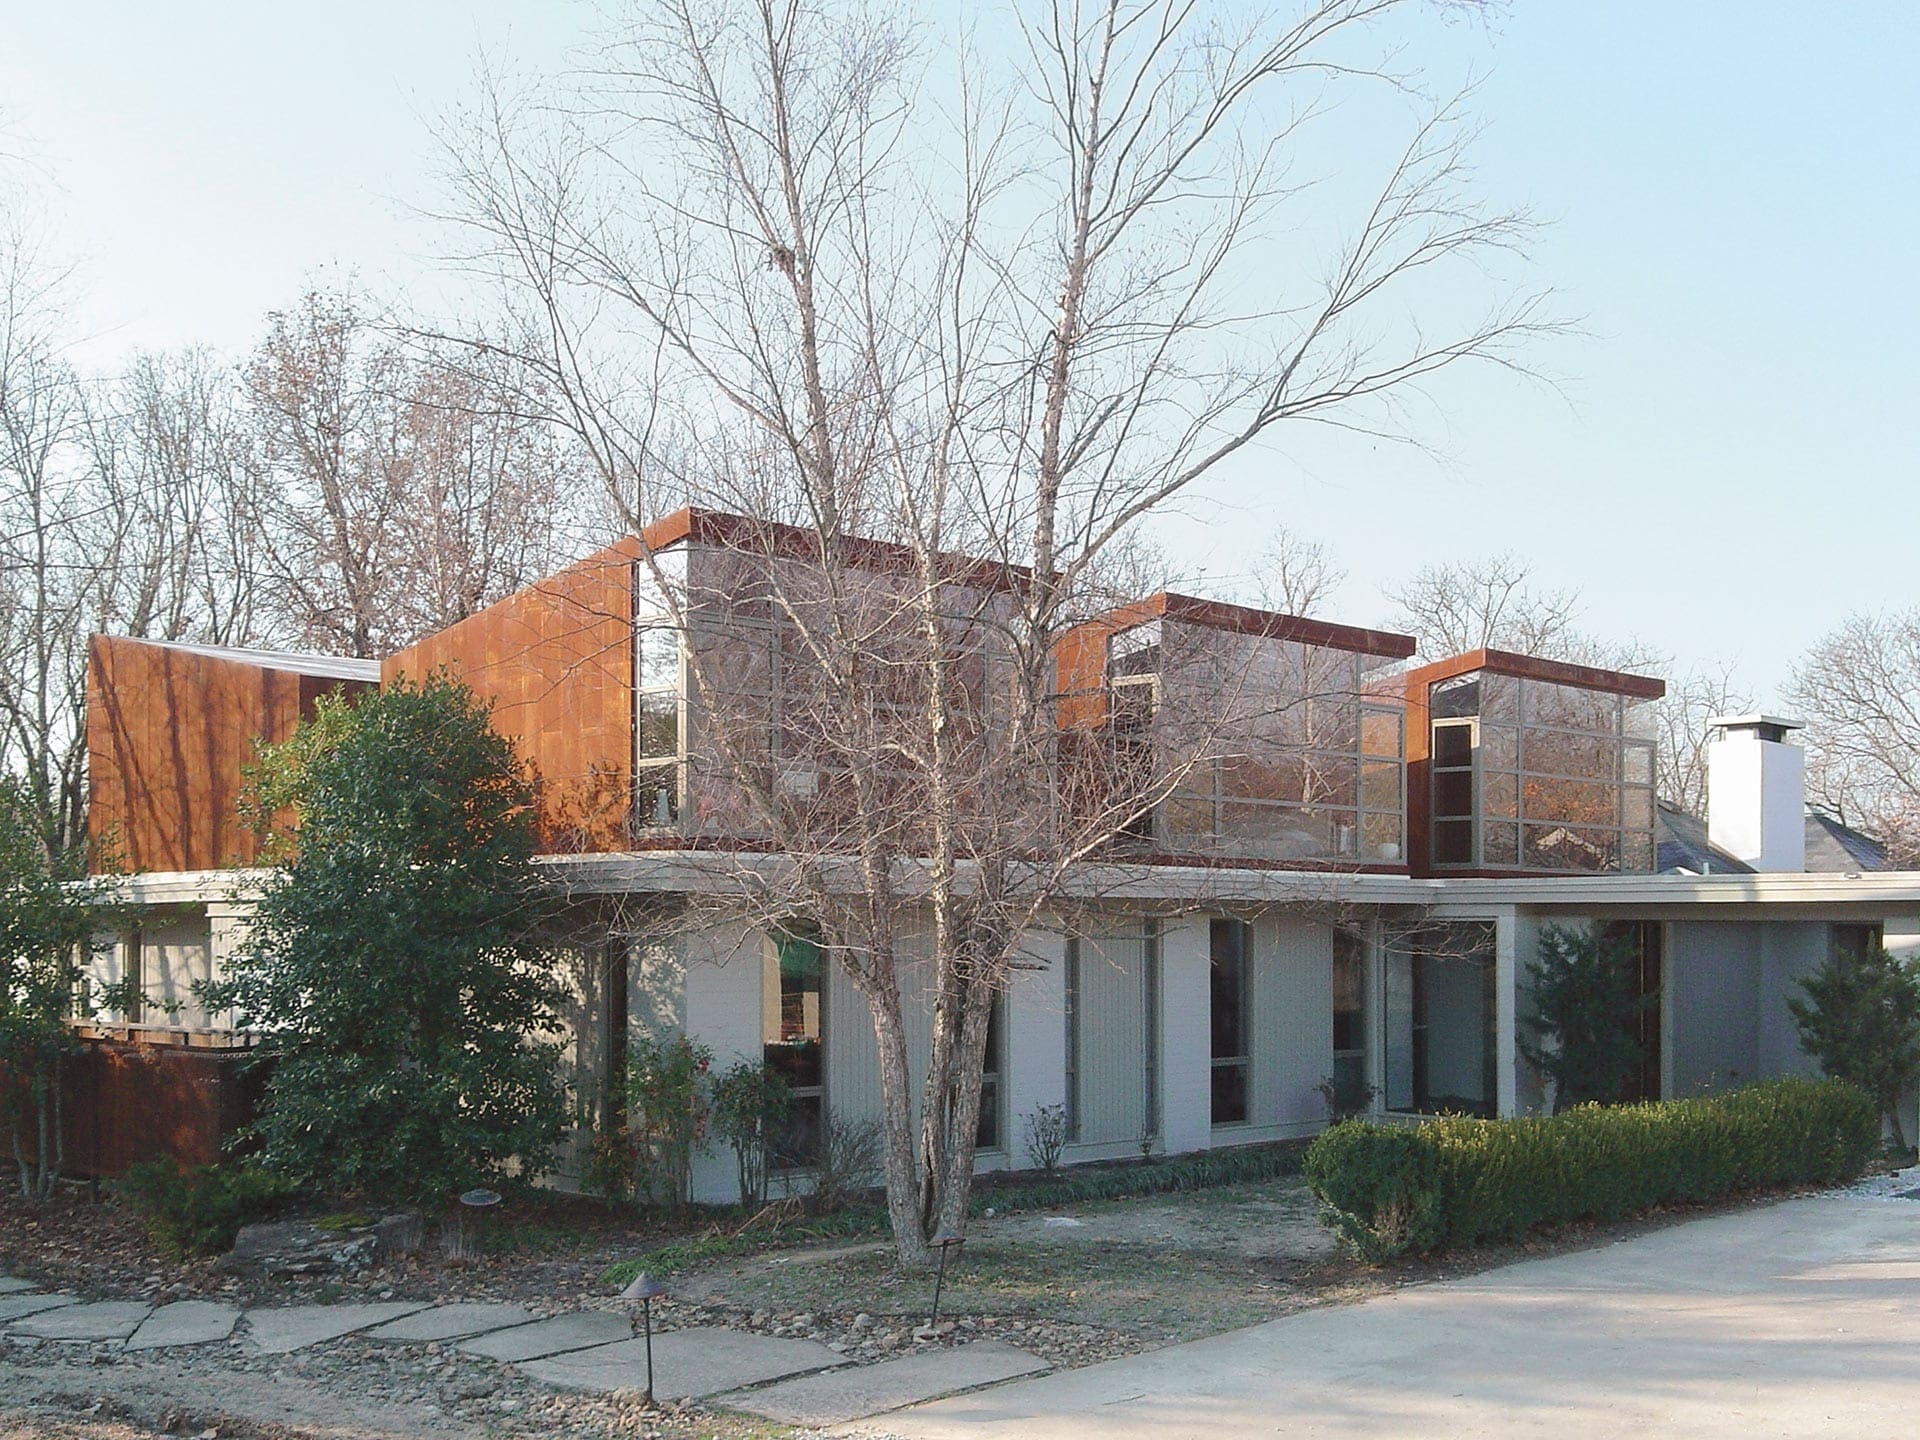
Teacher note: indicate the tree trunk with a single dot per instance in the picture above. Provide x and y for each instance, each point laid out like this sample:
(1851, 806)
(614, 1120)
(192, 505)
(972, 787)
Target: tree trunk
(896, 1102)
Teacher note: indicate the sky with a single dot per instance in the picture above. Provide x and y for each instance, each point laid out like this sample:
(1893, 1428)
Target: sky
(1723, 467)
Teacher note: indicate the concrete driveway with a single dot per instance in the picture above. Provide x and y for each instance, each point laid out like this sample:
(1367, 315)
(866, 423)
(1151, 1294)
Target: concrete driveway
(1796, 1319)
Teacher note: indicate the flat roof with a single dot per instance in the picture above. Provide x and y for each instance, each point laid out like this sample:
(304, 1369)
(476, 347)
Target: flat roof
(1247, 620)
(330, 667)
(1535, 667)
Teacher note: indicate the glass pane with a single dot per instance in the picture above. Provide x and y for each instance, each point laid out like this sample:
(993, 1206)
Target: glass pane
(1499, 747)
(1453, 842)
(1349, 991)
(1500, 795)
(1636, 809)
(656, 658)
(1455, 697)
(1453, 745)
(1572, 802)
(1571, 707)
(1380, 786)
(1558, 847)
(1553, 752)
(1380, 732)
(791, 1010)
(1227, 941)
(1330, 780)
(656, 796)
(658, 725)
(1637, 852)
(1637, 764)
(1500, 843)
(1499, 697)
(1189, 816)
(1230, 1094)
(1380, 838)
(1453, 792)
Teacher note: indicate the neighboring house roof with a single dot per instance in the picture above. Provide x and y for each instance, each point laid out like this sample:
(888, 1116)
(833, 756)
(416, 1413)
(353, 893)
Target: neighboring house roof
(1832, 848)
(1840, 849)
(329, 667)
(1683, 846)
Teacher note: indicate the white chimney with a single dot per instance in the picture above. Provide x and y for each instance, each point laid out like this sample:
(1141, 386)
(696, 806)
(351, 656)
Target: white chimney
(1756, 792)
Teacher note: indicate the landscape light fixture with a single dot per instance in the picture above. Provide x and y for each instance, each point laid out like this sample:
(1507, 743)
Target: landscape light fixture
(943, 1241)
(645, 1289)
(476, 1203)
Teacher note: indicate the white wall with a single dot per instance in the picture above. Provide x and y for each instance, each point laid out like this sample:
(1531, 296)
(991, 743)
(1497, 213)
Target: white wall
(1292, 1027)
(1713, 975)
(1033, 1071)
(1185, 1048)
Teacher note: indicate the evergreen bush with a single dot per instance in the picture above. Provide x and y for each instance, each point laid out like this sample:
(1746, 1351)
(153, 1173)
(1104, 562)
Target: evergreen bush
(1392, 1190)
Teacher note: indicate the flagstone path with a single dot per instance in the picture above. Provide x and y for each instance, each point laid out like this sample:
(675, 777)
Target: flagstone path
(798, 1381)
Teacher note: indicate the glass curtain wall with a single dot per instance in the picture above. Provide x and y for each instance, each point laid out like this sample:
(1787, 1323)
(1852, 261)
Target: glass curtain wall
(1531, 775)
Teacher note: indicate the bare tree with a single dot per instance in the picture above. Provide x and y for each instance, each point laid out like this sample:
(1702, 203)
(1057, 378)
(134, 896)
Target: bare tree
(760, 264)
(1859, 691)
(1680, 754)
(1492, 603)
(392, 495)
(1295, 575)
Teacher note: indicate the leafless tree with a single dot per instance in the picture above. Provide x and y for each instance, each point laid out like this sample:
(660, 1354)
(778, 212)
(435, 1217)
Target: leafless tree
(392, 495)
(1492, 602)
(766, 259)
(1859, 691)
(1295, 575)
(1680, 754)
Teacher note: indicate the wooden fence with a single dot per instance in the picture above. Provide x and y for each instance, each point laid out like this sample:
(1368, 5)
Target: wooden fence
(136, 1093)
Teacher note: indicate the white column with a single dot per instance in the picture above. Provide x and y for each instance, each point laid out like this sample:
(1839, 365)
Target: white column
(1034, 1067)
(1506, 1053)
(720, 973)
(1185, 1036)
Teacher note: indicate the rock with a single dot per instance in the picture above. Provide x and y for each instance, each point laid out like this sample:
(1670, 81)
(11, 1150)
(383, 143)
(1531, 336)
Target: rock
(297, 1248)
(862, 1322)
(934, 1332)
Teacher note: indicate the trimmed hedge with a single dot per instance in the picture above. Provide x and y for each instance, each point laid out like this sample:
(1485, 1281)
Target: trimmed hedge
(1393, 1190)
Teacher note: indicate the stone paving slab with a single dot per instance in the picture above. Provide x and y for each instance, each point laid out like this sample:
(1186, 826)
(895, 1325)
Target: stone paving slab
(687, 1364)
(453, 1322)
(95, 1320)
(834, 1397)
(18, 1307)
(293, 1327)
(576, 1331)
(185, 1322)
(10, 1285)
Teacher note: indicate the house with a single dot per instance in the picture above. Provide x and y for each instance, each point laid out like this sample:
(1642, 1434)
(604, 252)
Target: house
(1343, 877)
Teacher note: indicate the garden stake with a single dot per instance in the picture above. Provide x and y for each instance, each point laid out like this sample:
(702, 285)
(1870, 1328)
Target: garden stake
(945, 1240)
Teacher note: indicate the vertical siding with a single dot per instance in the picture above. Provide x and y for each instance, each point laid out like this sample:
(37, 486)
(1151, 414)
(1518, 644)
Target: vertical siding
(1112, 1025)
(1292, 1021)
(853, 1059)
(1185, 1050)
(1033, 1068)
(1714, 972)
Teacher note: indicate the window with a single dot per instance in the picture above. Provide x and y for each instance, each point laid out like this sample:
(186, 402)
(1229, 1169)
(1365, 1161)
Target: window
(986, 1135)
(1534, 775)
(1855, 942)
(1231, 945)
(1349, 1021)
(793, 1029)
(656, 729)
(1072, 1008)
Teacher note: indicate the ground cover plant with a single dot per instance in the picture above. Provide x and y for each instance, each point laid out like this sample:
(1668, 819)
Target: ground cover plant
(1390, 1190)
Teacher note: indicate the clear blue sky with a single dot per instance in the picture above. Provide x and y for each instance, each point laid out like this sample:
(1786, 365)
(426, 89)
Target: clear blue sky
(1734, 188)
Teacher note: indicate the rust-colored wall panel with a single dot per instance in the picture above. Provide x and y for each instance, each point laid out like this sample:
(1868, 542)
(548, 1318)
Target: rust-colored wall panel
(555, 661)
(170, 732)
(128, 1102)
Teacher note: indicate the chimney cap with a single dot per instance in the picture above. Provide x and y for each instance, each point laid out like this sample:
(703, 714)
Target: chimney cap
(1762, 727)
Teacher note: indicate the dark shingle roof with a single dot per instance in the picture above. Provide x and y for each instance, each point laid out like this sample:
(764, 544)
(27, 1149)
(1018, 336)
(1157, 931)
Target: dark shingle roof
(1683, 845)
(1835, 848)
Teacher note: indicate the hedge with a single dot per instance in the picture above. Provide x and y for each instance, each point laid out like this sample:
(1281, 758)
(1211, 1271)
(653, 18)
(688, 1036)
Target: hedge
(1392, 1190)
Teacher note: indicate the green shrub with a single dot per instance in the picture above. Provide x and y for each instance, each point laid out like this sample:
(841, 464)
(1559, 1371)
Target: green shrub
(199, 1211)
(1389, 1190)
(1378, 1187)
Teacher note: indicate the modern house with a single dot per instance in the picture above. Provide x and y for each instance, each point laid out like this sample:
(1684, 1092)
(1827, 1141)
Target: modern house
(1340, 876)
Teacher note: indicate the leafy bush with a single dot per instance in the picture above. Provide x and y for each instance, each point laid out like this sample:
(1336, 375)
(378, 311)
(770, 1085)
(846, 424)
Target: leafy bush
(750, 1102)
(666, 1113)
(1391, 1190)
(1379, 1188)
(199, 1212)
(395, 967)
